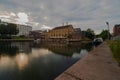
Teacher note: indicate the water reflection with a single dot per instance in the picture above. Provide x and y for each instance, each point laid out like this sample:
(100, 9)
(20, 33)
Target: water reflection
(38, 61)
(6, 48)
(65, 49)
(21, 60)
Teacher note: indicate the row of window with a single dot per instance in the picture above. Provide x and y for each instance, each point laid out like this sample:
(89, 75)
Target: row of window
(61, 31)
(55, 35)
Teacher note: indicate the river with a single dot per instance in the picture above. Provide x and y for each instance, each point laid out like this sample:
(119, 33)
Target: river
(38, 61)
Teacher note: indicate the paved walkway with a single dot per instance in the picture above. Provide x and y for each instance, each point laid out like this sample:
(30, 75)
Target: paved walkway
(97, 65)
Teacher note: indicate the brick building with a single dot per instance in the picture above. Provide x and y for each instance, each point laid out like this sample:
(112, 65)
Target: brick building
(36, 34)
(61, 32)
(116, 30)
(64, 33)
(76, 35)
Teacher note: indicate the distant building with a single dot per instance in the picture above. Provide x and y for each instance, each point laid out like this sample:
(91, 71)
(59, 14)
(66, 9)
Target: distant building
(36, 34)
(60, 32)
(76, 35)
(44, 35)
(23, 30)
(64, 33)
(116, 30)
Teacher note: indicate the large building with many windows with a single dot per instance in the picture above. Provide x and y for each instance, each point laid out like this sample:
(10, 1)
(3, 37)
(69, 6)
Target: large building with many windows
(60, 32)
(23, 30)
(64, 33)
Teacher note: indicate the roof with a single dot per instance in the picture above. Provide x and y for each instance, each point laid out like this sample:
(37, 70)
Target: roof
(117, 25)
(62, 27)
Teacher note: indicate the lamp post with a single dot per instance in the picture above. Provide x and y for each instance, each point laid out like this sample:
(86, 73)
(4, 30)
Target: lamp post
(108, 30)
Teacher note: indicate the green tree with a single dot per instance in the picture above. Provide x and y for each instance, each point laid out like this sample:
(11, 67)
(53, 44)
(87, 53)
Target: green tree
(90, 34)
(7, 30)
(104, 34)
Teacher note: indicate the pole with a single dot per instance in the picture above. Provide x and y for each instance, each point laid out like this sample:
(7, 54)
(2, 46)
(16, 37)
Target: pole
(108, 30)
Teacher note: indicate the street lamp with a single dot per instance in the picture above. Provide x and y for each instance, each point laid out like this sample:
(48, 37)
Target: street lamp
(108, 30)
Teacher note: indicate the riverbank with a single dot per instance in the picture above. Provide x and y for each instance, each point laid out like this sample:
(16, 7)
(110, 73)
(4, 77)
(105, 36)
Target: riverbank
(99, 64)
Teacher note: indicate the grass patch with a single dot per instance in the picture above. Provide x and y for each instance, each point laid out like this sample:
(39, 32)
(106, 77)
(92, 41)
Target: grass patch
(115, 47)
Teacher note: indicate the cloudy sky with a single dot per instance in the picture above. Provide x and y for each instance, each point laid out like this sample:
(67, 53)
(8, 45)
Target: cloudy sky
(43, 14)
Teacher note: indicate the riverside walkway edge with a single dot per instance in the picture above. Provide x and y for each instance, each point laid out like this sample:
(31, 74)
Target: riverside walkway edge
(99, 64)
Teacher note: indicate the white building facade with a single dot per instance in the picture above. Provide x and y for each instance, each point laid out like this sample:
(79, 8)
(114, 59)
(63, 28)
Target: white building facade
(23, 30)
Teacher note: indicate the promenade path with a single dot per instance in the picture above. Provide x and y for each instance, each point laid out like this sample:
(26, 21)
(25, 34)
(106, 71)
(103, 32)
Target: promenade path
(99, 64)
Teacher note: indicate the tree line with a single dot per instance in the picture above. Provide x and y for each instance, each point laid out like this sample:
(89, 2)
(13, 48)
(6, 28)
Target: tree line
(8, 30)
(90, 34)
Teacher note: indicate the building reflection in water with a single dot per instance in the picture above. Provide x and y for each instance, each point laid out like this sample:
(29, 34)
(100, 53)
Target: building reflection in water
(65, 49)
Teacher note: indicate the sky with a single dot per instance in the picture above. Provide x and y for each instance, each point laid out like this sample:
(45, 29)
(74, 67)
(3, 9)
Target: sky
(47, 14)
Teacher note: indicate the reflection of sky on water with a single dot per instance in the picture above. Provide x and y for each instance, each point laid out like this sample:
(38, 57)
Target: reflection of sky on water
(39, 52)
(42, 62)
(22, 59)
(82, 54)
(6, 61)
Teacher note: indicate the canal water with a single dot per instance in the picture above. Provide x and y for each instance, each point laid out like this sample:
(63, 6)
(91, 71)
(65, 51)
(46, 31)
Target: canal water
(38, 61)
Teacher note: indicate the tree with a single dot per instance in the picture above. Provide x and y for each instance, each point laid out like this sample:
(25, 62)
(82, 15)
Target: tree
(90, 34)
(104, 34)
(7, 30)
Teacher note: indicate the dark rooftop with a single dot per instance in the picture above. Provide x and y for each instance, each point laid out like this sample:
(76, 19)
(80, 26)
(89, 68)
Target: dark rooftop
(61, 27)
(117, 25)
